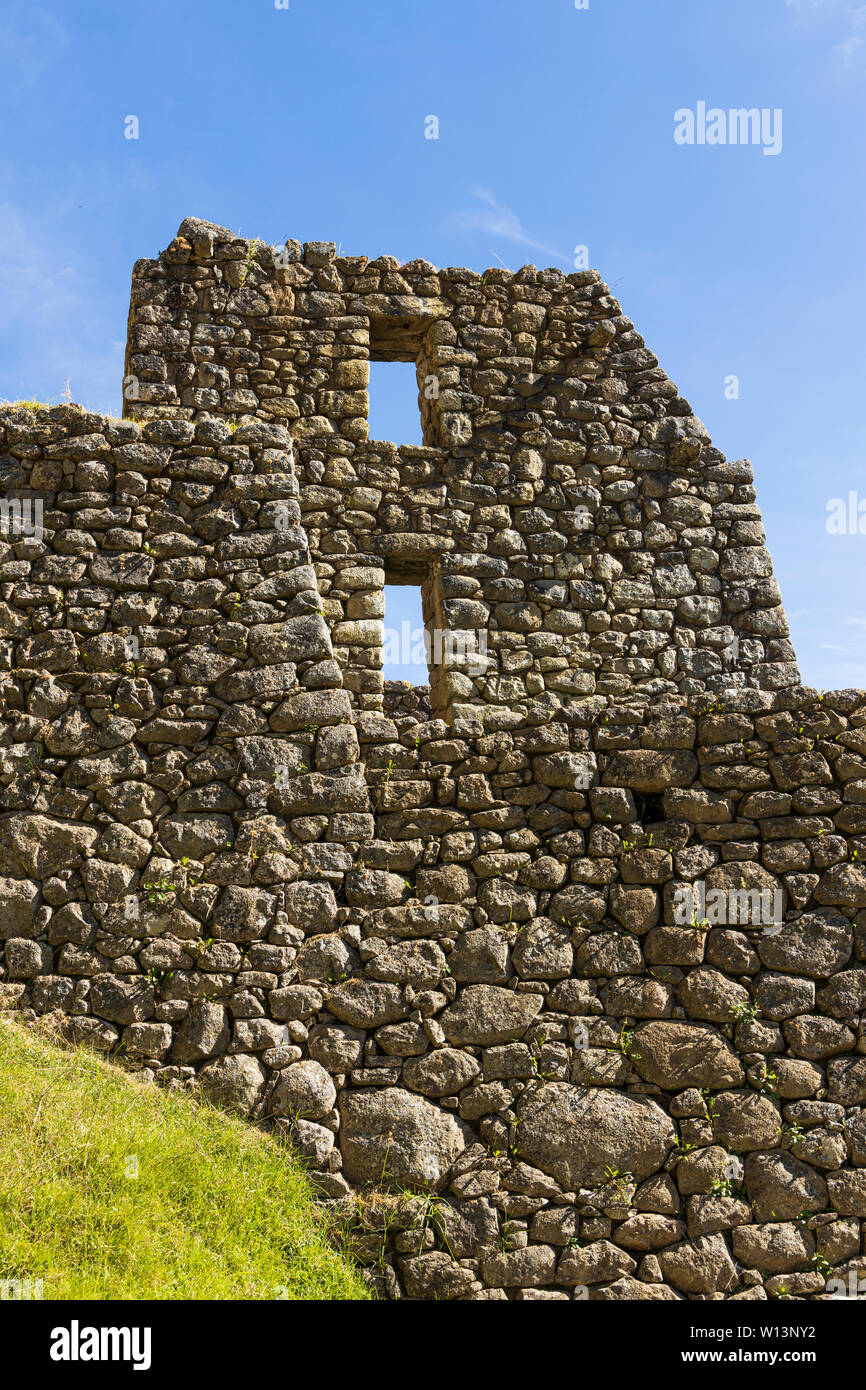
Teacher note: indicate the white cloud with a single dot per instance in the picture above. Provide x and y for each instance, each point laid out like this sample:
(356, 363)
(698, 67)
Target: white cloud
(846, 15)
(497, 219)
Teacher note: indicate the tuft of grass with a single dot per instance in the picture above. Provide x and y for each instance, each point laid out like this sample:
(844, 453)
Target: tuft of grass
(112, 1189)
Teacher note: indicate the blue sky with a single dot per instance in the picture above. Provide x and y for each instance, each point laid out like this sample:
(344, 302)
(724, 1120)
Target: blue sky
(555, 130)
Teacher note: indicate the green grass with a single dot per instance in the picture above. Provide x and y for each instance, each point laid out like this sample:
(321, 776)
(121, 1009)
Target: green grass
(218, 1209)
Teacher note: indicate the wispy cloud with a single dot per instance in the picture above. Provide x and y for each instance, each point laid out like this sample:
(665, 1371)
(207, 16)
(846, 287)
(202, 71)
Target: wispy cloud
(819, 9)
(50, 330)
(34, 281)
(825, 662)
(31, 39)
(489, 215)
(848, 49)
(847, 16)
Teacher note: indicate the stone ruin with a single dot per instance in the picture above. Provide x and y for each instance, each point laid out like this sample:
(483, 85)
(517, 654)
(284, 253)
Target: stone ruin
(554, 972)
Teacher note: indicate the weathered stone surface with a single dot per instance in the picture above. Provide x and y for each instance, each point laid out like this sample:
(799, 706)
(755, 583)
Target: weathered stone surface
(304, 1091)
(708, 994)
(41, 845)
(778, 1247)
(480, 957)
(418, 963)
(196, 836)
(576, 1133)
(708, 1214)
(233, 1083)
(697, 1172)
(203, 1033)
(649, 1231)
(702, 1265)
(816, 944)
(520, 1269)
(243, 914)
(780, 1187)
(367, 1003)
(626, 1290)
(847, 1078)
(18, 900)
(485, 1014)
(150, 1041)
(646, 770)
(25, 959)
(675, 1055)
(745, 1120)
(311, 906)
(847, 1193)
(122, 1000)
(436, 1276)
(598, 1263)
(441, 1073)
(394, 1138)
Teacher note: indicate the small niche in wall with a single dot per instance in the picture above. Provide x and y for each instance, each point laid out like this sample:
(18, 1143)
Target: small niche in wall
(649, 807)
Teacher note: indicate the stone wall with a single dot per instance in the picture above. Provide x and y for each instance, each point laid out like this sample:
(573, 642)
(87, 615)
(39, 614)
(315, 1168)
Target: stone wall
(567, 502)
(445, 958)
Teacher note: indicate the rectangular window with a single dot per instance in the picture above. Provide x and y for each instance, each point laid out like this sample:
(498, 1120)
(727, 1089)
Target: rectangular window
(394, 412)
(404, 653)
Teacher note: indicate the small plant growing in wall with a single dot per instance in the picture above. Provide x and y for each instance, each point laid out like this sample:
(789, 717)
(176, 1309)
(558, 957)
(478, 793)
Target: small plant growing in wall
(792, 1134)
(159, 979)
(250, 257)
(159, 891)
(626, 1044)
(431, 1215)
(514, 1136)
(503, 1239)
(621, 1185)
(768, 1084)
(683, 1147)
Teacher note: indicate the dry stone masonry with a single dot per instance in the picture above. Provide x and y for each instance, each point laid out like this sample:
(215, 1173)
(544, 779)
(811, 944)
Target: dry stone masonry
(560, 965)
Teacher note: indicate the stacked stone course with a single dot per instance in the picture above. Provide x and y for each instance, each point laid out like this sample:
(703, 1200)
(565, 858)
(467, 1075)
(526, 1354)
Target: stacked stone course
(431, 939)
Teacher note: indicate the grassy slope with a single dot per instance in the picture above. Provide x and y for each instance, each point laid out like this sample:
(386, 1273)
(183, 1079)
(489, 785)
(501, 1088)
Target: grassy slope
(218, 1211)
